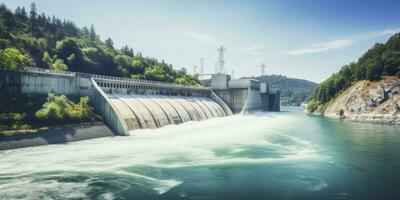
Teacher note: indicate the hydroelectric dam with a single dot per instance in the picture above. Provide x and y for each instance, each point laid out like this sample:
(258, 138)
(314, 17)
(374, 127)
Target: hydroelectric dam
(127, 104)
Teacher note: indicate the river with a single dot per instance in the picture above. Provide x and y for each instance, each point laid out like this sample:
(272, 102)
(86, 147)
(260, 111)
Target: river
(286, 155)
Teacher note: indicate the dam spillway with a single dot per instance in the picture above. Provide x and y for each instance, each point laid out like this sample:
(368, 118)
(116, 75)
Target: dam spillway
(141, 111)
(127, 104)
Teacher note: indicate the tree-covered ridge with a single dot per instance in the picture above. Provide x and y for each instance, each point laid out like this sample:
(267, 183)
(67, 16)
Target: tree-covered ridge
(37, 40)
(293, 91)
(381, 60)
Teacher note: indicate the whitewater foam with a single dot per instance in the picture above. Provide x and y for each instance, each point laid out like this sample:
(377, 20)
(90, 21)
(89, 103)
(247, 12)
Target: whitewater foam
(234, 140)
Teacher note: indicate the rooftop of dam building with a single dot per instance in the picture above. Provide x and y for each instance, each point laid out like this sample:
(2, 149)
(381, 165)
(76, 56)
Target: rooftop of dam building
(127, 104)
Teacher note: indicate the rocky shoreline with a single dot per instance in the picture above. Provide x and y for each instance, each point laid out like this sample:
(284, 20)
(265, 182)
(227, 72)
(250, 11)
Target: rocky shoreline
(369, 102)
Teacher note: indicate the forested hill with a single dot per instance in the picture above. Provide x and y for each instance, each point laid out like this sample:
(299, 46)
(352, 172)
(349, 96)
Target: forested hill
(37, 40)
(381, 60)
(293, 91)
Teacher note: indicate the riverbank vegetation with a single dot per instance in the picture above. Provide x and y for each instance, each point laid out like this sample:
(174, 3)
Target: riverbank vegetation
(25, 112)
(28, 38)
(379, 61)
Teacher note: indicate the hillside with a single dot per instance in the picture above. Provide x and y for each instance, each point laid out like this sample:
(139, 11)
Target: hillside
(367, 101)
(38, 40)
(293, 91)
(379, 61)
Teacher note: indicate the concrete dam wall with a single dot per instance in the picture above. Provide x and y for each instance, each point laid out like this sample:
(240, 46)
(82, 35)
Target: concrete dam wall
(124, 104)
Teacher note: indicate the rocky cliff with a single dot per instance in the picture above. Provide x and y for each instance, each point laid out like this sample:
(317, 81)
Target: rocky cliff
(365, 101)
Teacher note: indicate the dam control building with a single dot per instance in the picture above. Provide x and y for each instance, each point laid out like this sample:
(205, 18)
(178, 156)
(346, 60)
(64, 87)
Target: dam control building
(127, 104)
(246, 94)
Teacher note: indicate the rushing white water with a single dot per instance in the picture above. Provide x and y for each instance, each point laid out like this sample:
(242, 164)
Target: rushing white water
(252, 139)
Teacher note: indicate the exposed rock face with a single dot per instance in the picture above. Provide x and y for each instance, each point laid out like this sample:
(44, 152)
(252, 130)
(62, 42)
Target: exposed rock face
(376, 102)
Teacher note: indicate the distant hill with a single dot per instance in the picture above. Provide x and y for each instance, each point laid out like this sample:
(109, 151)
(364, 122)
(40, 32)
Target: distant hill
(293, 91)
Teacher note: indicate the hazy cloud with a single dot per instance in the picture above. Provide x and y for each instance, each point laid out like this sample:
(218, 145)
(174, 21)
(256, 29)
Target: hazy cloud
(342, 43)
(255, 49)
(389, 32)
(203, 37)
(316, 48)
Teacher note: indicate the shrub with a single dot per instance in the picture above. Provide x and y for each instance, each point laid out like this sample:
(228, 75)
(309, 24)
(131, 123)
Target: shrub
(341, 113)
(12, 119)
(59, 109)
(55, 109)
(83, 111)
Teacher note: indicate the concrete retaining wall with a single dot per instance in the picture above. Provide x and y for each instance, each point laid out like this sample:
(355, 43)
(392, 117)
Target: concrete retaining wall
(234, 98)
(56, 135)
(253, 101)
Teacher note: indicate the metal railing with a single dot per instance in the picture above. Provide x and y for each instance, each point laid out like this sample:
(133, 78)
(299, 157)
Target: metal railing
(114, 78)
(147, 82)
(47, 71)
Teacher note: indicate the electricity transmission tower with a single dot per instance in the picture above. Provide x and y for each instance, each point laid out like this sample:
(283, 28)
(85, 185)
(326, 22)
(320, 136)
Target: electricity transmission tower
(202, 66)
(221, 61)
(263, 69)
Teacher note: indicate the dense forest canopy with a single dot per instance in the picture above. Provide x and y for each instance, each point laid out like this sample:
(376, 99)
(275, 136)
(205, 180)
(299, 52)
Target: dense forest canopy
(28, 38)
(381, 60)
(293, 91)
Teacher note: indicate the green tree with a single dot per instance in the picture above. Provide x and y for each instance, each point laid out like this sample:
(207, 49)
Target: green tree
(391, 59)
(92, 34)
(127, 51)
(68, 47)
(59, 65)
(374, 70)
(11, 59)
(33, 16)
(47, 59)
(109, 43)
(43, 40)
(155, 73)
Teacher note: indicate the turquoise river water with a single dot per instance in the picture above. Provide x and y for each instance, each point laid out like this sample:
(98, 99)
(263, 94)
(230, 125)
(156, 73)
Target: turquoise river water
(286, 155)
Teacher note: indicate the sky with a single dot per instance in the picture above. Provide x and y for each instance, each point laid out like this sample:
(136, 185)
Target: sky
(307, 39)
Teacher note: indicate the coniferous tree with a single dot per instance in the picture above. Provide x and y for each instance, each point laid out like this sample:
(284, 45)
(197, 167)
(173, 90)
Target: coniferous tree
(33, 16)
(109, 43)
(92, 33)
